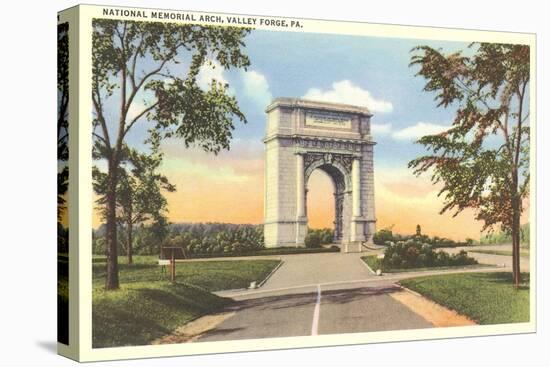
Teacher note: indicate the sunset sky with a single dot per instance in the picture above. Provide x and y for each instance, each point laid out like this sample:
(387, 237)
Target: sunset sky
(368, 71)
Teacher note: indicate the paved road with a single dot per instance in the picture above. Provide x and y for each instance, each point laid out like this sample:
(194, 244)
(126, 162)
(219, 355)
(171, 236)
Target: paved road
(317, 311)
(330, 293)
(312, 269)
(316, 294)
(500, 260)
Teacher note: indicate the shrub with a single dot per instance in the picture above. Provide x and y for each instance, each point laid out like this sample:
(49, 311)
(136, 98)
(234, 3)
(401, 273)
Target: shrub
(238, 248)
(313, 239)
(326, 236)
(412, 254)
(382, 236)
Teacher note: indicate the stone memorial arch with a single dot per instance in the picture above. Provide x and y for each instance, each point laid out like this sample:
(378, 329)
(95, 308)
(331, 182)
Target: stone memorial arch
(302, 136)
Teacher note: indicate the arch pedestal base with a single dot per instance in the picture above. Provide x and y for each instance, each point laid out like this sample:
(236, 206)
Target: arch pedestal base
(351, 247)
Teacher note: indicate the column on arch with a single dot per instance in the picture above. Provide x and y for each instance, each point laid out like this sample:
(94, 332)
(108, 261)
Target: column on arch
(300, 186)
(301, 218)
(356, 187)
(357, 223)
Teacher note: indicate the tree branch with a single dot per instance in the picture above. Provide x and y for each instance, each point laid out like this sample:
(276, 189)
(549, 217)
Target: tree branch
(134, 62)
(520, 122)
(98, 105)
(100, 138)
(134, 120)
(167, 58)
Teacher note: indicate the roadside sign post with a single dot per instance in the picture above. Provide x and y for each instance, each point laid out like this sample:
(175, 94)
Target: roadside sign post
(168, 256)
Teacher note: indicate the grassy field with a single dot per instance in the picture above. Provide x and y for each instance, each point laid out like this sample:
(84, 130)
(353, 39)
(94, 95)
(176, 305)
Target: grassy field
(210, 275)
(522, 253)
(487, 298)
(148, 306)
(374, 263)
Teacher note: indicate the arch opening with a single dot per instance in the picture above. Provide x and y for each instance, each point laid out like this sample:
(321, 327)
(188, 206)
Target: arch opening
(325, 190)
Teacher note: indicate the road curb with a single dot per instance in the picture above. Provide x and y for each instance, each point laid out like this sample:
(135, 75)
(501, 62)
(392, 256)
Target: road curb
(281, 262)
(222, 292)
(409, 290)
(367, 265)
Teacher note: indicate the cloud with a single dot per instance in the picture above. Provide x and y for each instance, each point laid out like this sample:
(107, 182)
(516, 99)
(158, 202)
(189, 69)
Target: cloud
(380, 129)
(346, 92)
(410, 133)
(419, 130)
(137, 107)
(211, 69)
(256, 88)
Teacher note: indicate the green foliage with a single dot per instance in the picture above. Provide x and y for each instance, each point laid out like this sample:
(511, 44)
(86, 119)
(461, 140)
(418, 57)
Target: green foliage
(62, 116)
(180, 107)
(412, 254)
(383, 236)
(502, 237)
(487, 298)
(317, 237)
(199, 239)
(139, 192)
(196, 239)
(175, 105)
(489, 90)
(313, 239)
(62, 239)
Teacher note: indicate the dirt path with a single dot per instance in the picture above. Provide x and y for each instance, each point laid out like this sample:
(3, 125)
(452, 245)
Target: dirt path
(194, 329)
(433, 312)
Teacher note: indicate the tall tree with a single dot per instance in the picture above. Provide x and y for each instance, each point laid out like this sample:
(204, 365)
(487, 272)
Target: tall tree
(139, 189)
(482, 161)
(62, 116)
(131, 58)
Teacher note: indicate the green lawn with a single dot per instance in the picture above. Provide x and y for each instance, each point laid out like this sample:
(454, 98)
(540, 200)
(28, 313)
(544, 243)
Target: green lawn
(522, 253)
(147, 306)
(487, 298)
(210, 275)
(374, 263)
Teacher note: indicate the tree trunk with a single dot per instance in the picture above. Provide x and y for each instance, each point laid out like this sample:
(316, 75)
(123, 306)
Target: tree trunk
(111, 280)
(516, 210)
(129, 226)
(516, 198)
(516, 236)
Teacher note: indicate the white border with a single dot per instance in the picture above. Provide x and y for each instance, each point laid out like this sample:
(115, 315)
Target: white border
(317, 26)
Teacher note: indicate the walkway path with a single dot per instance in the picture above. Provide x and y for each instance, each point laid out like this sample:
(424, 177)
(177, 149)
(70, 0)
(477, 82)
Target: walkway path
(314, 294)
